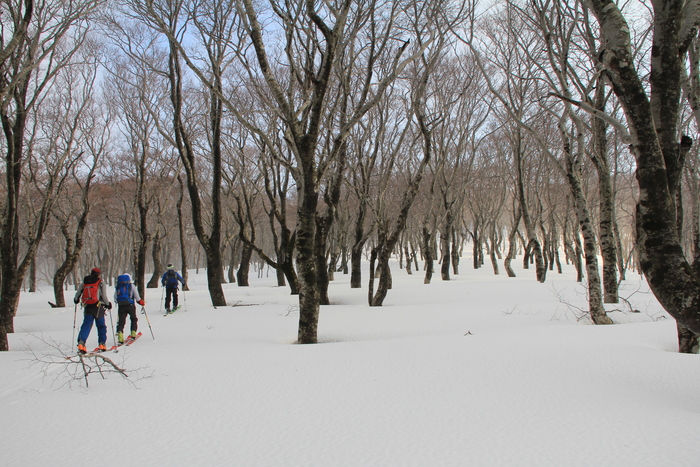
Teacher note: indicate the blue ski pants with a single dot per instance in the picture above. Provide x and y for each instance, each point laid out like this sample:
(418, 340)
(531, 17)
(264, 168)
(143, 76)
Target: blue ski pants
(85, 329)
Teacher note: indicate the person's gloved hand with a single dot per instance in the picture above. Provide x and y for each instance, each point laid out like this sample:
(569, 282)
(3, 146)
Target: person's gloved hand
(108, 306)
(76, 300)
(141, 302)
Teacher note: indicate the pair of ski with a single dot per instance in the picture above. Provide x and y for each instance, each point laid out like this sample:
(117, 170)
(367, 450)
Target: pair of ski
(170, 312)
(127, 342)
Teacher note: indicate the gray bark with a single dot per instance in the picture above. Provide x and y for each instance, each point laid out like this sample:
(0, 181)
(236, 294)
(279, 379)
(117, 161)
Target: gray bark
(654, 132)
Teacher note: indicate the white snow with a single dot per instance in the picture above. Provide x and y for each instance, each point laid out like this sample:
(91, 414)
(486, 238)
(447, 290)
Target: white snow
(482, 370)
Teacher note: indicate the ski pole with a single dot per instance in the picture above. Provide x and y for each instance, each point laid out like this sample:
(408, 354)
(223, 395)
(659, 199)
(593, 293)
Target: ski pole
(143, 310)
(162, 297)
(184, 297)
(114, 336)
(75, 314)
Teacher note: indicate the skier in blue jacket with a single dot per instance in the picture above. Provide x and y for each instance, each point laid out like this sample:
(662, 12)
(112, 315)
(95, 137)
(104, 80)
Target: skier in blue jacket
(170, 281)
(127, 296)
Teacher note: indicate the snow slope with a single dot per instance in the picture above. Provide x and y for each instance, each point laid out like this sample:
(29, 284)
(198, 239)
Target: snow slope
(482, 370)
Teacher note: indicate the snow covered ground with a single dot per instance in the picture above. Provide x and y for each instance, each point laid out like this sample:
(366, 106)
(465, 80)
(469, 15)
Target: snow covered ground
(482, 370)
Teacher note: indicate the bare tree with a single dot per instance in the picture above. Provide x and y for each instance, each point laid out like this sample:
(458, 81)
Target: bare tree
(42, 41)
(655, 141)
(311, 42)
(90, 128)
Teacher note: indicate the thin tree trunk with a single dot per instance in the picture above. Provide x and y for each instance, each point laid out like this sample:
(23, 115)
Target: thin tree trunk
(533, 243)
(182, 234)
(428, 256)
(607, 209)
(445, 241)
(512, 239)
(595, 292)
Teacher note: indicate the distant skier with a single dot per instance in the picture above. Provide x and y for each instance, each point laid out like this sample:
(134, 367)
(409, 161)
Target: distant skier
(93, 292)
(170, 281)
(127, 295)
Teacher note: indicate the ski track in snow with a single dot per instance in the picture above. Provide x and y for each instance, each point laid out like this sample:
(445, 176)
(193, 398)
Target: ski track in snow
(482, 370)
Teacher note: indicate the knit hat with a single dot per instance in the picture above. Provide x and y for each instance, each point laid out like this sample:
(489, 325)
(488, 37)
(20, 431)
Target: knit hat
(96, 271)
(170, 266)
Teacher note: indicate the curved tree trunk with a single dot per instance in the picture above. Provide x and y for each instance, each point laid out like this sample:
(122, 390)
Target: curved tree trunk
(158, 268)
(533, 243)
(512, 244)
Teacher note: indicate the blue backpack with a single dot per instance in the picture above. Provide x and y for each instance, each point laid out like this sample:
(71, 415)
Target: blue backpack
(171, 278)
(124, 290)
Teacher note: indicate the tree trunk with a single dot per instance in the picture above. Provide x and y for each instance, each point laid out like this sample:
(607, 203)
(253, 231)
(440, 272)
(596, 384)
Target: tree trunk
(590, 247)
(455, 253)
(687, 340)
(409, 269)
(607, 208)
(232, 264)
(428, 257)
(309, 298)
(445, 240)
(533, 243)
(182, 234)
(211, 243)
(72, 251)
(356, 266)
(512, 241)
(158, 268)
(244, 266)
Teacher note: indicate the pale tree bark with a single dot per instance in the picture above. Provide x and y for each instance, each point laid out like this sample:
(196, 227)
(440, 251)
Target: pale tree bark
(557, 30)
(553, 65)
(573, 172)
(599, 155)
(559, 24)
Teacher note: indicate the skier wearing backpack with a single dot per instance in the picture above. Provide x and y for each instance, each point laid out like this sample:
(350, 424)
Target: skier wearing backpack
(127, 295)
(93, 292)
(170, 281)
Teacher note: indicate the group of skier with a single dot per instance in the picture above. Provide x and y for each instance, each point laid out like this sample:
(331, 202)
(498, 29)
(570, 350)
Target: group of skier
(92, 293)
